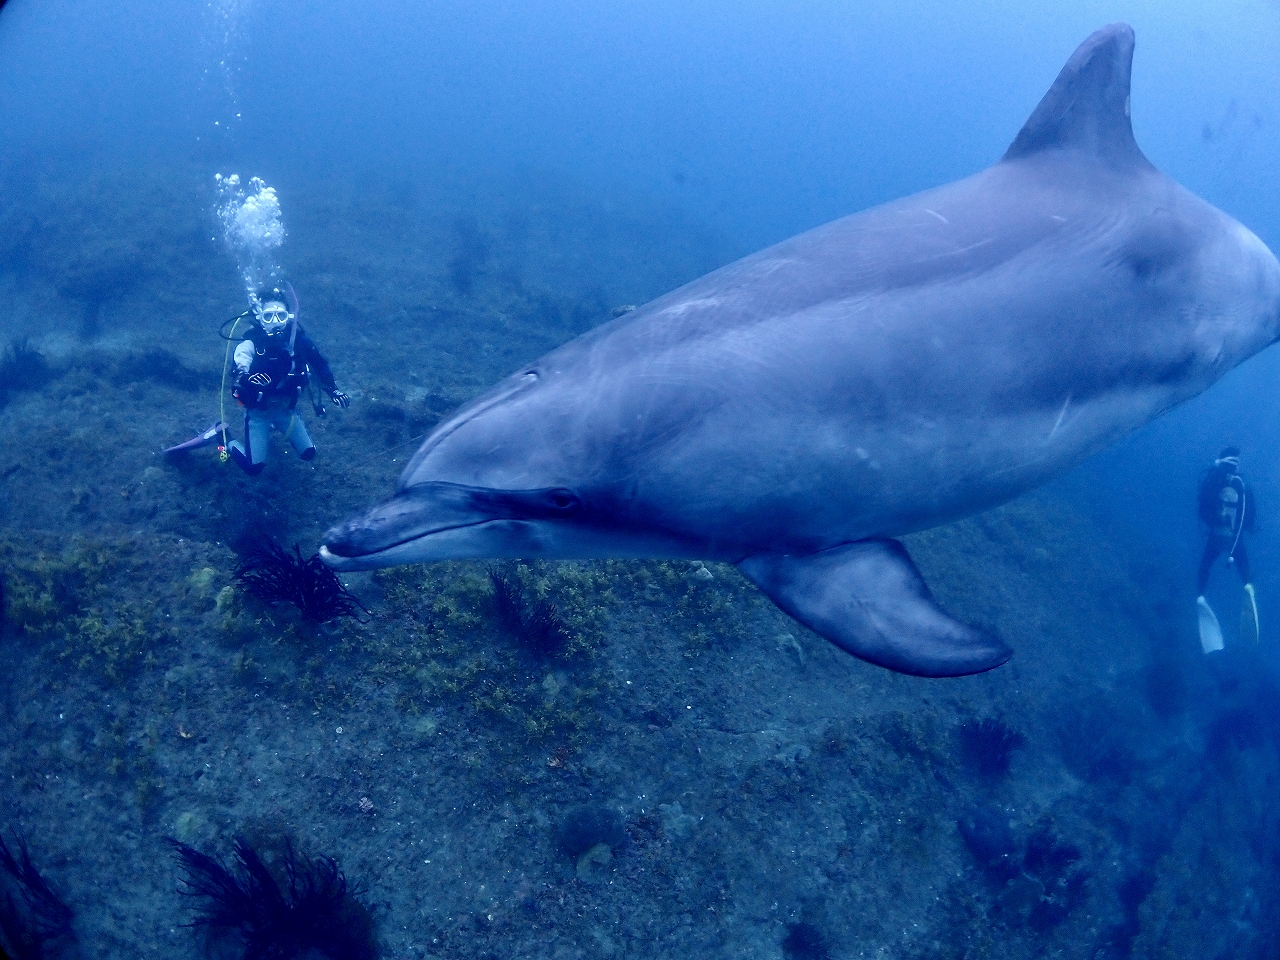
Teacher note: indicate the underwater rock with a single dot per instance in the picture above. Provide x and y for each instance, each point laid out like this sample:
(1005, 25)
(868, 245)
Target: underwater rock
(676, 824)
(595, 864)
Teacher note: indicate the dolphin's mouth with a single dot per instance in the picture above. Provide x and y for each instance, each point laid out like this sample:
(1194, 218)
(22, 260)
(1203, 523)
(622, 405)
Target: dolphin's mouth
(428, 509)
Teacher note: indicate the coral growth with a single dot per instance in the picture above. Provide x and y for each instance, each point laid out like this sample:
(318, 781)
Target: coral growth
(988, 745)
(248, 909)
(271, 575)
(537, 626)
(34, 921)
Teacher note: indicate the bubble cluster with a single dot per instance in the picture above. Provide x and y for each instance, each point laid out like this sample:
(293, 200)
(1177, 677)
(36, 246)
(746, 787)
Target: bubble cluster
(252, 228)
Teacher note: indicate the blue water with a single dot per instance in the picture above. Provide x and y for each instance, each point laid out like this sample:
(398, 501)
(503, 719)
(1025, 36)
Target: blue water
(707, 130)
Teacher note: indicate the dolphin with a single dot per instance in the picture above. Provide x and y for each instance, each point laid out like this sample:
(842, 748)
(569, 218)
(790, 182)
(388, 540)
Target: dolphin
(894, 370)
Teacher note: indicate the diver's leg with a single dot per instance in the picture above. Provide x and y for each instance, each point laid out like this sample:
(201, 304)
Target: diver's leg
(1241, 557)
(300, 440)
(251, 457)
(1212, 549)
(1249, 610)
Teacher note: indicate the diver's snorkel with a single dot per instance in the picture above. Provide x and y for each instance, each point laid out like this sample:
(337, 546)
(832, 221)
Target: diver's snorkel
(293, 318)
(317, 403)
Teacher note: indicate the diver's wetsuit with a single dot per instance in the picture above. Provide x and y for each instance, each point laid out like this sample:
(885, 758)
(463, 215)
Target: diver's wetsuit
(270, 380)
(1226, 508)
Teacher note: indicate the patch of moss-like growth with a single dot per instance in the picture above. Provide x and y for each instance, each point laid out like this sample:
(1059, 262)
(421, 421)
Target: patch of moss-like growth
(46, 590)
(702, 601)
(64, 601)
(439, 635)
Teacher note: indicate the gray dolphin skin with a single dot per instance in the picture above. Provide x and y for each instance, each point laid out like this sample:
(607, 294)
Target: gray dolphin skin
(886, 373)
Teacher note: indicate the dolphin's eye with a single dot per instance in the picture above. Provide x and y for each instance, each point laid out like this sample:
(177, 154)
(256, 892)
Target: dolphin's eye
(563, 501)
(542, 504)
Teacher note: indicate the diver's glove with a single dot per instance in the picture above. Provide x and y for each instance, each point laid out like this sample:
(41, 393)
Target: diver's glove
(340, 398)
(259, 379)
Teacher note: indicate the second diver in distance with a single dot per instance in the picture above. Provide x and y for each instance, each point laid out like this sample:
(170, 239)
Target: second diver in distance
(1226, 509)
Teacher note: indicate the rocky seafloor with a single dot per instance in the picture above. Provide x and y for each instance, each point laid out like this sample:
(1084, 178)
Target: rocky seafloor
(687, 773)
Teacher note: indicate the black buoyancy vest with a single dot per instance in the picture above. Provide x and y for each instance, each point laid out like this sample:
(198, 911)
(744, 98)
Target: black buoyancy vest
(271, 355)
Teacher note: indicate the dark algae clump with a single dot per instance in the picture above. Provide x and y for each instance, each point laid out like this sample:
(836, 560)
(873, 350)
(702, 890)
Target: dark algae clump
(35, 924)
(585, 826)
(23, 367)
(804, 941)
(536, 626)
(1037, 883)
(269, 574)
(988, 745)
(302, 909)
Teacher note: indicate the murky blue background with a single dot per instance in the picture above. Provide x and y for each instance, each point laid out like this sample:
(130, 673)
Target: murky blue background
(760, 119)
(745, 122)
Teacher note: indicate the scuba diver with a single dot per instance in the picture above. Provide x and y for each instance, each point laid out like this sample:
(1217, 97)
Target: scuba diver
(274, 364)
(1226, 509)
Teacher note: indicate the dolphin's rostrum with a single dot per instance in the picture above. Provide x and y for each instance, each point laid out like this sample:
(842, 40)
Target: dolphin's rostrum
(885, 373)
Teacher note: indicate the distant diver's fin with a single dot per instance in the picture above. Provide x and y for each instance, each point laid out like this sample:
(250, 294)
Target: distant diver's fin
(869, 599)
(1087, 108)
(1210, 630)
(1249, 614)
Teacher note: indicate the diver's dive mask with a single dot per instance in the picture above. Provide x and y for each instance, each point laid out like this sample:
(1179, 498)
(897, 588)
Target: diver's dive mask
(273, 317)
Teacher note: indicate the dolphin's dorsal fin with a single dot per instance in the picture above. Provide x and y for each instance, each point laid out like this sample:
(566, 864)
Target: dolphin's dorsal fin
(1087, 108)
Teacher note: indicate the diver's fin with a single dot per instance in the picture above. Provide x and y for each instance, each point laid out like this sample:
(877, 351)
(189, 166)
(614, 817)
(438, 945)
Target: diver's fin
(1210, 630)
(868, 598)
(199, 440)
(1087, 108)
(1249, 614)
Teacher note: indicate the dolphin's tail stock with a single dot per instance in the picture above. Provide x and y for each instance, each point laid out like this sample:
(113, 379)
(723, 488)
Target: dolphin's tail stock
(869, 599)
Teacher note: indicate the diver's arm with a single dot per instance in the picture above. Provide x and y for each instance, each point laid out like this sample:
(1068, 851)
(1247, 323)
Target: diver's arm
(243, 356)
(312, 357)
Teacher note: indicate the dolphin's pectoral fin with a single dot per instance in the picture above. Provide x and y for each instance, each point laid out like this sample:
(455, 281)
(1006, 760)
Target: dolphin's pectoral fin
(869, 598)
